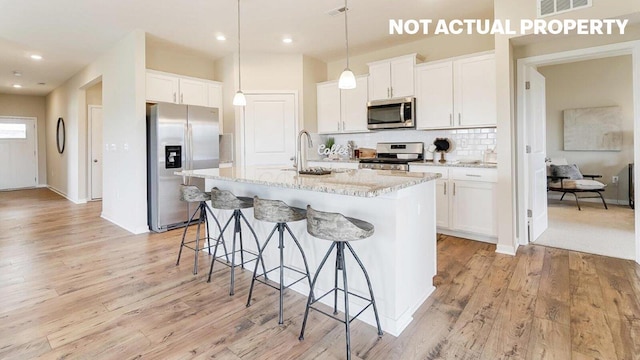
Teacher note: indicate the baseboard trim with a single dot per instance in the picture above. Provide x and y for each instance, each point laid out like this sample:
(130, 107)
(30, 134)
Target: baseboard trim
(470, 236)
(136, 231)
(40, 186)
(77, 202)
(506, 249)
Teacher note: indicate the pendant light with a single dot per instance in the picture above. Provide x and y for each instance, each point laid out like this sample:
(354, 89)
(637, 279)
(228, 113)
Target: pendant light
(239, 99)
(347, 79)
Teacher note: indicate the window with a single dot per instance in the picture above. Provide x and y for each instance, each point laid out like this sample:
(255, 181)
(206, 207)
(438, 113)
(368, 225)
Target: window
(13, 131)
(552, 7)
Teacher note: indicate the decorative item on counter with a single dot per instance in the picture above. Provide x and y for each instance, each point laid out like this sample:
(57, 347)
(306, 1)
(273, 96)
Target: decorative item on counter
(350, 148)
(443, 145)
(428, 155)
(366, 153)
(332, 150)
(490, 156)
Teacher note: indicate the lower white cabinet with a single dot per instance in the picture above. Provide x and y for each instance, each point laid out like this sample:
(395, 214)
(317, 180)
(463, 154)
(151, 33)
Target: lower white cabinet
(465, 201)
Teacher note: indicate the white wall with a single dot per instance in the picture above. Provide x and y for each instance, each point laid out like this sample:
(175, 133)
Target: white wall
(30, 106)
(592, 83)
(164, 56)
(124, 160)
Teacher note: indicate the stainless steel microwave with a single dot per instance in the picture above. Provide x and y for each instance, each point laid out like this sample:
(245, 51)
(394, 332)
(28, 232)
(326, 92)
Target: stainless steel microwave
(391, 114)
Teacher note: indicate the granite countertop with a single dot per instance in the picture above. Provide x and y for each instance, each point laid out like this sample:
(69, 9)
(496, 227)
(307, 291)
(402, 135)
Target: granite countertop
(334, 160)
(362, 183)
(455, 164)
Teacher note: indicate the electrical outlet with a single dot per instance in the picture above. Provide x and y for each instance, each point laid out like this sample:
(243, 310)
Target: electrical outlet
(614, 179)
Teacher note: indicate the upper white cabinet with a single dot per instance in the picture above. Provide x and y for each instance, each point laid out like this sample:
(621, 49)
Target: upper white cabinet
(162, 87)
(457, 93)
(172, 88)
(392, 78)
(342, 110)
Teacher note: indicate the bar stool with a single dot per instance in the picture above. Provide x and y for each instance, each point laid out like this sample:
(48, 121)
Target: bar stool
(340, 230)
(280, 213)
(191, 194)
(225, 200)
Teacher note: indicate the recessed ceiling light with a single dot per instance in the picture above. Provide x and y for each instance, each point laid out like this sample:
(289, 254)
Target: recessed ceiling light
(36, 57)
(17, 73)
(287, 40)
(221, 38)
(17, 86)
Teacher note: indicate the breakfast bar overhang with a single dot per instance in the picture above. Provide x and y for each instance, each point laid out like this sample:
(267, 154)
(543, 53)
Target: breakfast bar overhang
(400, 256)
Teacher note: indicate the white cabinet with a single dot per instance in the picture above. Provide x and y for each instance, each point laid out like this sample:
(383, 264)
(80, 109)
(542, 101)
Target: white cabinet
(392, 78)
(342, 110)
(172, 88)
(465, 201)
(458, 93)
(162, 87)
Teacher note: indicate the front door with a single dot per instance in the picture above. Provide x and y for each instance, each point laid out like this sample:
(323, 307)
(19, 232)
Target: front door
(535, 112)
(270, 129)
(18, 153)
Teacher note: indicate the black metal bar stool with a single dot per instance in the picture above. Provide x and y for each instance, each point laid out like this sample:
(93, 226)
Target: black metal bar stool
(339, 229)
(191, 194)
(225, 200)
(280, 213)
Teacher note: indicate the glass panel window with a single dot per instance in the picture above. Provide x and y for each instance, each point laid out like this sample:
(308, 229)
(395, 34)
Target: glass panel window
(13, 131)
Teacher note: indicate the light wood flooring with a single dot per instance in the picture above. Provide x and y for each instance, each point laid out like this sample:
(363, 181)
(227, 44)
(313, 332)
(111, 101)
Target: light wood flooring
(74, 286)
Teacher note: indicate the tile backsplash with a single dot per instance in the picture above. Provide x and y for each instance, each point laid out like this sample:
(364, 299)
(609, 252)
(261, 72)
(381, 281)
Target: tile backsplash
(465, 143)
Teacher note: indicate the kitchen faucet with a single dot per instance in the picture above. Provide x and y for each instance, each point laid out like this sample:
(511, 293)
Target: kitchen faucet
(300, 162)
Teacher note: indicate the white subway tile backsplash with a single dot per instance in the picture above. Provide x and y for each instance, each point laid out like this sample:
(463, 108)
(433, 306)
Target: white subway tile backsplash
(475, 141)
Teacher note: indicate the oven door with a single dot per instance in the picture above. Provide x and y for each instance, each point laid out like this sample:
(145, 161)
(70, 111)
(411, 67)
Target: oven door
(390, 114)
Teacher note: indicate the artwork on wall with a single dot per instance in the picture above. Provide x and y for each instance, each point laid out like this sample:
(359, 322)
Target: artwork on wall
(593, 129)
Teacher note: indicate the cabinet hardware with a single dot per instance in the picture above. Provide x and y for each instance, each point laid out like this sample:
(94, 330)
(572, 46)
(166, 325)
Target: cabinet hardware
(454, 189)
(343, 126)
(451, 119)
(174, 97)
(388, 92)
(181, 98)
(474, 175)
(459, 119)
(445, 188)
(391, 92)
(338, 125)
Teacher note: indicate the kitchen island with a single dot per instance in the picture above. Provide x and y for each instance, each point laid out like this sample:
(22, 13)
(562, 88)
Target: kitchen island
(401, 255)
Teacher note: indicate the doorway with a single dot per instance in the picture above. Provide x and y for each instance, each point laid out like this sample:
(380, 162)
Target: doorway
(269, 129)
(570, 228)
(18, 141)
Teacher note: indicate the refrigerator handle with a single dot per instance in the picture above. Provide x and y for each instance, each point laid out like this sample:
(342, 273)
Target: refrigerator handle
(190, 146)
(186, 153)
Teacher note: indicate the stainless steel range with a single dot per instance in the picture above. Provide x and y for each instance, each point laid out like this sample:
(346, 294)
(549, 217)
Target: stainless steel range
(394, 156)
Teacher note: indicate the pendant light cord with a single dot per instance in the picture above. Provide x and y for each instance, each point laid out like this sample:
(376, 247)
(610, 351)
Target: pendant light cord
(346, 30)
(239, 72)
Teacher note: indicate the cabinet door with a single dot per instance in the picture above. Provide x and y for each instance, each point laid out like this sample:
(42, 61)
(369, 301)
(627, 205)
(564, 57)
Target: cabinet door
(328, 96)
(193, 92)
(402, 77)
(442, 203)
(215, 101)
(354, 107)
(434, 96)
(474, 207)
(162, 87)
(475, 91)
(379, 81)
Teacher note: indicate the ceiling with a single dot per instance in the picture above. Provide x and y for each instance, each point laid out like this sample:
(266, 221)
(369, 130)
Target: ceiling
(71, 34)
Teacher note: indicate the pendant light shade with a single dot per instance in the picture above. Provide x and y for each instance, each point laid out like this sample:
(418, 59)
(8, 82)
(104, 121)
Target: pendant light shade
(347, 79)
(239, 99)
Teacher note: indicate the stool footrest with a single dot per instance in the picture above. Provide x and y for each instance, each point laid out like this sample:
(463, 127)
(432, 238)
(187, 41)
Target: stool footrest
(370, 302)
(304, 276)
(223, 258)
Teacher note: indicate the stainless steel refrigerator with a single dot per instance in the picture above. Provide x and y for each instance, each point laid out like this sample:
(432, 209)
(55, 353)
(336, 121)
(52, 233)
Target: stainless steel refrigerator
(179, 137)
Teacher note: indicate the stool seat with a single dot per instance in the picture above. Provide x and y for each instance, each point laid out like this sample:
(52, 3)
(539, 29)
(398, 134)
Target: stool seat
(225, 200)
(336, 227)
(191, 193)
(277, 211)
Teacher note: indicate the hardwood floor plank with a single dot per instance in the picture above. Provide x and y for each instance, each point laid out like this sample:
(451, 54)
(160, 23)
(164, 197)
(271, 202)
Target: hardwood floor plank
(78, 287)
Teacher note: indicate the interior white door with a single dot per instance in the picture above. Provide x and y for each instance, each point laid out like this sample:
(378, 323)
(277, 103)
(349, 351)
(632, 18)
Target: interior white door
(535, 113)
(95, 126)
(18, 153)
(270, 129)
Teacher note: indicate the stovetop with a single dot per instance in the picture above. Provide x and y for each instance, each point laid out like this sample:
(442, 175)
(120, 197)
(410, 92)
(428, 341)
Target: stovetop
(379, 160)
